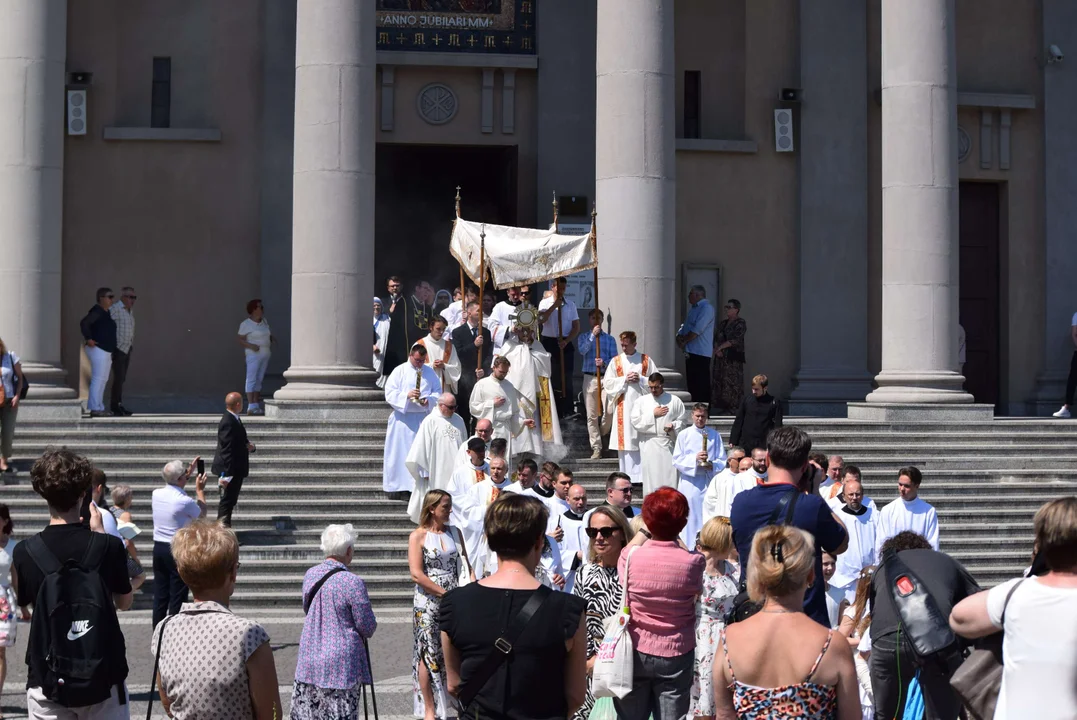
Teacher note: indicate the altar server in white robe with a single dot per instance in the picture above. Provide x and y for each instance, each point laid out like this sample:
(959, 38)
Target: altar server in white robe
(657, 418)
(432, 458)
(381, 336)
(529, 372)
(484, 430)
(441, 355)
(495, 399)
(908, 512)
(625, 382)
(849, 472)
(574, 543)
(463, 479)
(412, 391)
(723, 487)
(479, 498)
(861, 522)
(698, 455)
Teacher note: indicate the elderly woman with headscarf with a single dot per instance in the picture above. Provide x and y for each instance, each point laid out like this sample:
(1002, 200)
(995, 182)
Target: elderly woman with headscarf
(381, 336)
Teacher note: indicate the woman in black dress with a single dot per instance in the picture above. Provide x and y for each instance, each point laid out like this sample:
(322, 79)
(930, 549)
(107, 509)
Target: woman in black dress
(550, 653)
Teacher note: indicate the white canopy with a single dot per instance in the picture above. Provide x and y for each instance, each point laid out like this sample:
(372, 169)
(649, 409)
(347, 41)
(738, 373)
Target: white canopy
(520, 256)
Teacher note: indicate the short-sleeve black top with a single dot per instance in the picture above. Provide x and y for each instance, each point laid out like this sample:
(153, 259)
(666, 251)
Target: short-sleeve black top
(530, 684)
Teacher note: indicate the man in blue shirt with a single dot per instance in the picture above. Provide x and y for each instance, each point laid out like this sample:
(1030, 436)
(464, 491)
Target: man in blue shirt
(592, 377)
(787, 450)
(696, 339)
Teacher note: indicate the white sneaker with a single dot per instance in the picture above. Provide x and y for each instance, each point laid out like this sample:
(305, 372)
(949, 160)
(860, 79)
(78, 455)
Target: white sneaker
(1063, 413)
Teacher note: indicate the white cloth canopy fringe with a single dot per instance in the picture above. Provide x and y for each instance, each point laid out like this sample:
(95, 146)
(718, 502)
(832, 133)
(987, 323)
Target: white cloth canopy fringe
(519, 256)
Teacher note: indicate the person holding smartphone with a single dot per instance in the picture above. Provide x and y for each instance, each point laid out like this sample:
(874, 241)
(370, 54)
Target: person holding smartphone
(173, 509)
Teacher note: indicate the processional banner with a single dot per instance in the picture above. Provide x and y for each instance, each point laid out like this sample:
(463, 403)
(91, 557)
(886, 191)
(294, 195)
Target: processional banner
(519, 256)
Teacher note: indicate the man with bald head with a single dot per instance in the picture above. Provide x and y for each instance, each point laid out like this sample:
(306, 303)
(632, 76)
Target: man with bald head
(432, 457)
(484, 430)
(861, 520)
(231, 461)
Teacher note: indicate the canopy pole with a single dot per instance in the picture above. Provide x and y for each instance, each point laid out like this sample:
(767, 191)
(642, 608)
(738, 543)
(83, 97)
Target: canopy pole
(482, 282)
(598, 354)
(559, 297)
(463, 289)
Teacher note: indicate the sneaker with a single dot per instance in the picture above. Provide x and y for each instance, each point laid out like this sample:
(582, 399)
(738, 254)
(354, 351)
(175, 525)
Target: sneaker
(1064, 413)
(100, 413)
(596, 454)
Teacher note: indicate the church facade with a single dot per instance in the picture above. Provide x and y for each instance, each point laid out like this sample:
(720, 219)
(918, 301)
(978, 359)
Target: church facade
(860, 185)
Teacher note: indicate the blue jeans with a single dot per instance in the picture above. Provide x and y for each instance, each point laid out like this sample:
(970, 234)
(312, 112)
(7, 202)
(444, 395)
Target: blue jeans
(661, 687)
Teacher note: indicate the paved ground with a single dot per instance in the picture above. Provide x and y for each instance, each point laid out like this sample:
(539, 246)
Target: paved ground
(390, 651)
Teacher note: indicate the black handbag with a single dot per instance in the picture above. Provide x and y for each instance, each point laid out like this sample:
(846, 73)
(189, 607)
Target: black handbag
(978, 681)
(743, 605)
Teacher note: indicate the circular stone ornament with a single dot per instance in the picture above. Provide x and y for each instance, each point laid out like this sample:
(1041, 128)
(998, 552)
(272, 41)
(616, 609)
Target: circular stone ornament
(964, 144)
(437, 103)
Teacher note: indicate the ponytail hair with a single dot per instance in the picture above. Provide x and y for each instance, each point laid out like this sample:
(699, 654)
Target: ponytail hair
(782, 558)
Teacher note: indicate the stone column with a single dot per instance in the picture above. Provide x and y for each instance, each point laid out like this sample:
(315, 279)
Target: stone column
(833, 164)
(33, 48)
(919, 193)
(1060, 212)
(635, 163)
(333, 202)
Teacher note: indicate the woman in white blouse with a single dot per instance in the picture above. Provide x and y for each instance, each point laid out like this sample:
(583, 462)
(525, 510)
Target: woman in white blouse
(1038, 616)
(12, 379)
(256, 339)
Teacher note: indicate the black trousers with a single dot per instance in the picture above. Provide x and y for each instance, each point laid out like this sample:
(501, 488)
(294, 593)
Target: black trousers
(229, 498)
(120, 362)
(565, 401)
(697, 375)
(1071, 381)
(463, 400)
(891, 672)
(169, 590)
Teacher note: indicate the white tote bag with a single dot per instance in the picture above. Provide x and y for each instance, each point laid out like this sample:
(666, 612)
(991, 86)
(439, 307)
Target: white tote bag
(612, 674)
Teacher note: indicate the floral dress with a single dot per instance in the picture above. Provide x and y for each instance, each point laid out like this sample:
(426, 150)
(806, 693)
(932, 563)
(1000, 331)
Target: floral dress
(714, 602)
(8, 619)
(599, 586)
(441, 562)
(727, 372)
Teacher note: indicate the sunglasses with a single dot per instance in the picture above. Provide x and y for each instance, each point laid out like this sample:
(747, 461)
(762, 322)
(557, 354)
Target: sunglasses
(111, 296)
(606, 532)
(626, 491)
(131, 297)
(448, 407)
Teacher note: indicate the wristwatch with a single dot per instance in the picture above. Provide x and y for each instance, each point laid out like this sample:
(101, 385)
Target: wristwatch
(646, 533)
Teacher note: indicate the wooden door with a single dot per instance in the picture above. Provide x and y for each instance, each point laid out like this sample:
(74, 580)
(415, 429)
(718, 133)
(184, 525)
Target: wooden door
(979, 295)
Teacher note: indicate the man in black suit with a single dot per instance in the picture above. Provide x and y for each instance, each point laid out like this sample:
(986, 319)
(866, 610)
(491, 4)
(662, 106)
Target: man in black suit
(231, 462)
(469, 343)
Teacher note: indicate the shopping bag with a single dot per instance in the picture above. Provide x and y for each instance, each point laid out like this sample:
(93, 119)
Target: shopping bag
(612, 674)
(914, 701)
(603, 709)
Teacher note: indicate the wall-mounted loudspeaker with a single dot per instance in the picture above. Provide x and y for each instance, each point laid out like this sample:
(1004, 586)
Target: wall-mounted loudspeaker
(783, 130)
(76, 112)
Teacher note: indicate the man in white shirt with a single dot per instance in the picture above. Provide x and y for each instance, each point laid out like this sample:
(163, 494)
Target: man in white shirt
(861, 521)
(624, 383)
(698, 455)
(98, 493)
(454, 314)
(526, 476)
(908, 512)
(658, 418)
(172, 509)
(560, 325)
(441, 355)
(123, 315)
(726, 485)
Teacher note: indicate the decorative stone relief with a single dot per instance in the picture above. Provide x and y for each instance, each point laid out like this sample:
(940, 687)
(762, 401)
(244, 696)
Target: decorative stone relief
(437, 104)
(964, 144)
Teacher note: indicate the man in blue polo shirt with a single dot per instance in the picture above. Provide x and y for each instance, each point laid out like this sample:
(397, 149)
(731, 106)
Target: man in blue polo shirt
(696, 338)
(787, 450)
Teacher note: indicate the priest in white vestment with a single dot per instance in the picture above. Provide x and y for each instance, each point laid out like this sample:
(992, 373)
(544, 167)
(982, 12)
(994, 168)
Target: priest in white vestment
(441, 355)
(624, 382)
(484, 430)
(464, 478)
(479, 498)
(432, 458)
(381, 337)
(861, 522)
(494, 398)
(657, 418)
(574, 544)
(718, 497)
(698, 455)
(502, 317)
(908, 512)
(412, 391)
(529, 372)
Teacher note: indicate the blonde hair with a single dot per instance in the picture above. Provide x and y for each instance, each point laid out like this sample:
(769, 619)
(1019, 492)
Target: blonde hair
(782, 558)
(431, 501)
(3, 347)
(121, 496)
(717, 535)
(760, 381)
(1056, 533)
(206, 554)
(861, 614)
(637, 524)
(618, 517)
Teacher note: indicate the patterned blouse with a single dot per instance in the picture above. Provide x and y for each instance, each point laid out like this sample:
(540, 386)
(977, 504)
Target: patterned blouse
(600, 588)
(331, 652)
(207, 635)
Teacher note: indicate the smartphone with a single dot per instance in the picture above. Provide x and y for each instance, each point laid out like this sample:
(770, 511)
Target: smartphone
(201, 466)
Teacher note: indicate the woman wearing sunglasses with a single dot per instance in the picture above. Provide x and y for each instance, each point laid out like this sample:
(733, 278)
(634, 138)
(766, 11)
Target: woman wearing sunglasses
(597, 581)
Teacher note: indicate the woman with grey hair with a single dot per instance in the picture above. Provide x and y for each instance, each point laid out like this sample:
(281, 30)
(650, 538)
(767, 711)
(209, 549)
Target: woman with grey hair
(173, 509)
(333, 662)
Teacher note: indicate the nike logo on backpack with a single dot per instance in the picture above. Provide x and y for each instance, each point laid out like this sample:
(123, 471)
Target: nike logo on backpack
(78, 629)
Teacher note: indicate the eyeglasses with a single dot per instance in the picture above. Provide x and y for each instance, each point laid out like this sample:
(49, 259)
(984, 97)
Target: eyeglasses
(131, 297)
(110, 296)
(606, 532)
(448, 407)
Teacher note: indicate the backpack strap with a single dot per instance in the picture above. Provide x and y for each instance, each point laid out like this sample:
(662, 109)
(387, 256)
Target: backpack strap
(41, 555)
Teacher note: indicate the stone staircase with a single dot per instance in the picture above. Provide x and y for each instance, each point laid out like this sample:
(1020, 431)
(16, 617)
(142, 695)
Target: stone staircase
(985, 479)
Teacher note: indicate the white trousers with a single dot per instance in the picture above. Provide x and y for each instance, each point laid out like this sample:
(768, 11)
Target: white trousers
(256, 370)
(630, 465)
(40, 708)
(101, 365)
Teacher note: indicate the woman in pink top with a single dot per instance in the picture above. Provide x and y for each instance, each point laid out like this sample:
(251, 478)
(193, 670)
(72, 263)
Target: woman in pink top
(663, 581)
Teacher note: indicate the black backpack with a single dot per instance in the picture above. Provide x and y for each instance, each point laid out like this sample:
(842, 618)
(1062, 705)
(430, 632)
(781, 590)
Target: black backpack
(75, 629)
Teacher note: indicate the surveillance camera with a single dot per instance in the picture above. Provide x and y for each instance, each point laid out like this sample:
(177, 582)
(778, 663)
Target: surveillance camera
(1054, 54)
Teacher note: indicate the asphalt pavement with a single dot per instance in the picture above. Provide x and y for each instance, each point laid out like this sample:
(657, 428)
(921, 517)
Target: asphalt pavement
(390, 651)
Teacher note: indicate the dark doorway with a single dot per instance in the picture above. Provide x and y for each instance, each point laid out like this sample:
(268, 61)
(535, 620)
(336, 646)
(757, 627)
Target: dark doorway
(979, 299)
(415, 191)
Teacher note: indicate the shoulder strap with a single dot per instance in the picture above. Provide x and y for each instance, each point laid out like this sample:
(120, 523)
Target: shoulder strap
(787, 504)
(1006, 602)
(318, 586)
(157, 665)
(811, 673)
(503, 647)
(41, 555)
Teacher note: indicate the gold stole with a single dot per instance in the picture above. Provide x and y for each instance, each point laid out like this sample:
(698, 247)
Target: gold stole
(545, 417)
(621, 399)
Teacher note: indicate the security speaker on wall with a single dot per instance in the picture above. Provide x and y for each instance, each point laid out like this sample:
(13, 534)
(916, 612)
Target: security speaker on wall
(76, 112)
(783, 130)
(1054, 55)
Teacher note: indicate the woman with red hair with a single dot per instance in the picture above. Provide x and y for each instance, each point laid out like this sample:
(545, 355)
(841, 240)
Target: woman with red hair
(662, 582)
